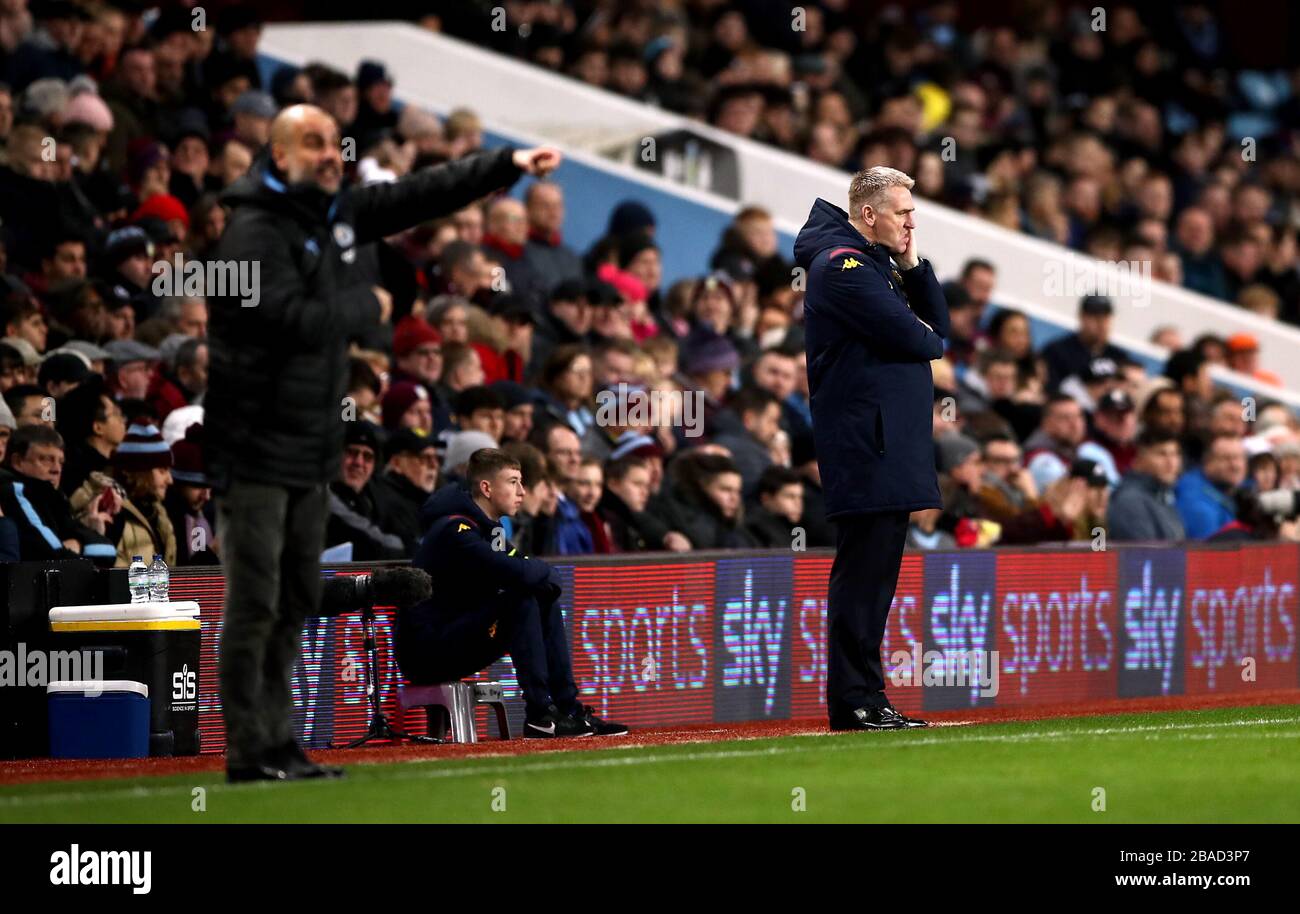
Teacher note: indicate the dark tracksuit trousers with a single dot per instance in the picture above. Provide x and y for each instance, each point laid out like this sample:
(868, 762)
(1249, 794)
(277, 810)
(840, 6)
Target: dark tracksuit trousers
(868, 556)
(453, 646)
(271, 539)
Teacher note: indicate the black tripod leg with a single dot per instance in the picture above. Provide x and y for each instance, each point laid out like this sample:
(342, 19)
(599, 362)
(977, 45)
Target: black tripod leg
(379, 728)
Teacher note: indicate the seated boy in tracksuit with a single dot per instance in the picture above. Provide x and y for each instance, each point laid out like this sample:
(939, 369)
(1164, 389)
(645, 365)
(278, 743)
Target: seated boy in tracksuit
(489, 600)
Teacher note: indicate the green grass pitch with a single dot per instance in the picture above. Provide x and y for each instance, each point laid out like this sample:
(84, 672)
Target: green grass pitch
(1225, 765)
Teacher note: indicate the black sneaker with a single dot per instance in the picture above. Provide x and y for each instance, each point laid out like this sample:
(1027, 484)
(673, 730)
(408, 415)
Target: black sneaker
(587, 715)
(296, 765)
(553, 725)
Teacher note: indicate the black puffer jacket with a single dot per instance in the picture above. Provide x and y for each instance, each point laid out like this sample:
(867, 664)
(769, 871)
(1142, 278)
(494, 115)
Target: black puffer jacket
(279, 368)
(681, 508)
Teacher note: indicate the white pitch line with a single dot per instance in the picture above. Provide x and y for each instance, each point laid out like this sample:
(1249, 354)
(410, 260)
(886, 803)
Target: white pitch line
(472, 770)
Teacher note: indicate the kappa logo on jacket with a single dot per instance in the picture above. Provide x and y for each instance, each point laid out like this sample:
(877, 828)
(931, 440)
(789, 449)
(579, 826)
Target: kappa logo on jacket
(849, 263)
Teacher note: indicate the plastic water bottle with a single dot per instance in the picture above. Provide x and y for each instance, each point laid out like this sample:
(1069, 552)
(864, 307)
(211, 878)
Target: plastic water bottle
(159, 580)
(137, 580)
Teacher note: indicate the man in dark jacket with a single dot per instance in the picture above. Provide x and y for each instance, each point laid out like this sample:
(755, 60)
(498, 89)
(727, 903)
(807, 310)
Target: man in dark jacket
(29, 197)
(92, 425)
(1070, 355)
(506, 234)
(870, 332)
(566, 319)
(278, 373)
(774, 522)
(488, 600)
(1142, 507)
(758, 415)
(407, 483)
(623, 506)
(547, 256)
(355, 508)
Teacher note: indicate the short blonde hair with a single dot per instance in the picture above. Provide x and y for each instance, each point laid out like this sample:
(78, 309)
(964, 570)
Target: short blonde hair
(868, 186)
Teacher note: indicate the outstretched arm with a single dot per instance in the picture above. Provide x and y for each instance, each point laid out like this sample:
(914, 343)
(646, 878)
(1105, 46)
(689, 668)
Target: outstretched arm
(440, 190)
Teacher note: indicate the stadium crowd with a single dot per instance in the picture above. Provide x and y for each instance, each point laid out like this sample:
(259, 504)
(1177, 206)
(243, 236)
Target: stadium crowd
(1143, 140)
(644, 415)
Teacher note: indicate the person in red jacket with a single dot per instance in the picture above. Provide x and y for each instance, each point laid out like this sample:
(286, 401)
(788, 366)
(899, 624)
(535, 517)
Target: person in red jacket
(181, 380)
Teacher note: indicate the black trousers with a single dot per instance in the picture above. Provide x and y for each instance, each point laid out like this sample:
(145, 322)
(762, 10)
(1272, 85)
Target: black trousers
(271, 540)
(436, 646)
(868, 556)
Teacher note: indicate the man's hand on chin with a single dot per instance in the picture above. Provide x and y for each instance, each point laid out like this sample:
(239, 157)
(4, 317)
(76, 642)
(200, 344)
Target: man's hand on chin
(908, 259)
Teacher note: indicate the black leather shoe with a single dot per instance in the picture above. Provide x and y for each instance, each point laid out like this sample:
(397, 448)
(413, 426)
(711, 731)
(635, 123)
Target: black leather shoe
(298, 767)
(910, 723)
(241, 774)
(872, 718)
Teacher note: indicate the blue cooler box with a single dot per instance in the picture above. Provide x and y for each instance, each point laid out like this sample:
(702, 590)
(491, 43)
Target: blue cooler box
(108, 719)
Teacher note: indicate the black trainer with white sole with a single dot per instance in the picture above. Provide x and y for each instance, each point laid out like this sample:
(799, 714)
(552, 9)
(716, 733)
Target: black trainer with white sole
(554, 725)
(587, 715)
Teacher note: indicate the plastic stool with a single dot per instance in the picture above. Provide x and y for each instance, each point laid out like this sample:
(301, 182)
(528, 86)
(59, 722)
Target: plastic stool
(451, 705)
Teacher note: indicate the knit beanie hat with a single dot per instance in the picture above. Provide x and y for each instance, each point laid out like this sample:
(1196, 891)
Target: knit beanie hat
(411, 333)
(187, 458)
(143, 448)
(953, 450)
(399, 399)
(88, 108)
(706, 351)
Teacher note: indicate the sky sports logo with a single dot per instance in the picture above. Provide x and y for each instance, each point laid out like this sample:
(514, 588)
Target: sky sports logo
(78, 867)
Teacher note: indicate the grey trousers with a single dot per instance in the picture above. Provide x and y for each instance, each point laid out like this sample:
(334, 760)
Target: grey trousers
(271, 540)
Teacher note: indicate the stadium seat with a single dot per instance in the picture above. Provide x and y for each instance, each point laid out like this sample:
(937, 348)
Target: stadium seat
(450, 705)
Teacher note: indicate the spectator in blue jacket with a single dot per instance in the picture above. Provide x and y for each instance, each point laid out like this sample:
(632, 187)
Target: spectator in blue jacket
(563, 450)
(1204, 494)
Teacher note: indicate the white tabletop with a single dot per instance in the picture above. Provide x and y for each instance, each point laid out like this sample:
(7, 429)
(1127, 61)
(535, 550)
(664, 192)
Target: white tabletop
(120, 612)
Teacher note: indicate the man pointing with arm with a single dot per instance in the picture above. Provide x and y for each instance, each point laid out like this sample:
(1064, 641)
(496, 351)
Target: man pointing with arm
(871, 332)
(274, 408)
